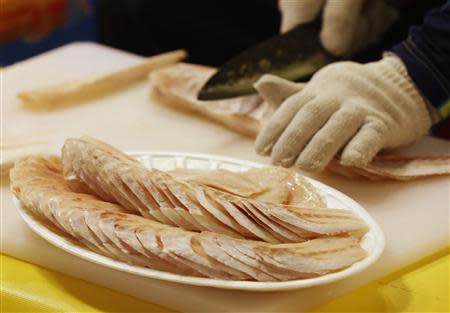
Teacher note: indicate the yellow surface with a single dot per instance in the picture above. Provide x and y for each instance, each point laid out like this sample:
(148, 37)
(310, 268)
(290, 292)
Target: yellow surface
(29, 288)
(422, 287)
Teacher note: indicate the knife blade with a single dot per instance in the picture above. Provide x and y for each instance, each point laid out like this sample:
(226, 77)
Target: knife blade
(294, 55)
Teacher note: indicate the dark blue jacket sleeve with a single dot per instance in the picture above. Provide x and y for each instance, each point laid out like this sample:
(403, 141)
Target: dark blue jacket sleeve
(426, 55)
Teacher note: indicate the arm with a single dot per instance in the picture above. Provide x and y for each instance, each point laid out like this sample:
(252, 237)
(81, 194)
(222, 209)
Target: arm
(426, 55)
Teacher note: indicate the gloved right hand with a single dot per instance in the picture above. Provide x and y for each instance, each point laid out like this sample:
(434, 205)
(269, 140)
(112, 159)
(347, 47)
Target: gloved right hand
(347, 25)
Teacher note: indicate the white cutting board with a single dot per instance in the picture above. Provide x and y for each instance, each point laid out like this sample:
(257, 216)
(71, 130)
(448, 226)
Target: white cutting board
(413, 215)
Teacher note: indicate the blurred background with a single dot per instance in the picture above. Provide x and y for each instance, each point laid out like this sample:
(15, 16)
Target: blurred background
(30, 27)
(211, 31)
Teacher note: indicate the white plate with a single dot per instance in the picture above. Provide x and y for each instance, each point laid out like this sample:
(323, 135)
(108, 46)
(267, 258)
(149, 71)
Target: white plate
(373, 242)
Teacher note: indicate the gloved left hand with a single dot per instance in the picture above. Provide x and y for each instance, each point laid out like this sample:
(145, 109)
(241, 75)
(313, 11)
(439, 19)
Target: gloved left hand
(357, 108)
(347, 25)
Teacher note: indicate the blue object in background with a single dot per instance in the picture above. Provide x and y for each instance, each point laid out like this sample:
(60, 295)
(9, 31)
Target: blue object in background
(78, 27)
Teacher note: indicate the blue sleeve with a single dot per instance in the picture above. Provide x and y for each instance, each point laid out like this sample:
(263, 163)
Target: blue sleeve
(426, 55)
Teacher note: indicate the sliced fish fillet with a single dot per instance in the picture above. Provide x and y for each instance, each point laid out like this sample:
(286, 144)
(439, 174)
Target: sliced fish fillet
(271, 184)
(392, 167)
(178, 86)
(105, 228)
(211, 209)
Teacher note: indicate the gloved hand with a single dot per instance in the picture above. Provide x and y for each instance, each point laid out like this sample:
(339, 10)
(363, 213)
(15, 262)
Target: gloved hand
(347, 25)
(358, 108)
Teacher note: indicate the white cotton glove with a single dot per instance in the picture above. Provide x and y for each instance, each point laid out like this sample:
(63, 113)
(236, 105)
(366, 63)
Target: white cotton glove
(359, 109)
(347, 25)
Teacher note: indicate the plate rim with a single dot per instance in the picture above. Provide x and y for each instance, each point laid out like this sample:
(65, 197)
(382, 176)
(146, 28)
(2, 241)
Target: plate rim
(64, 243)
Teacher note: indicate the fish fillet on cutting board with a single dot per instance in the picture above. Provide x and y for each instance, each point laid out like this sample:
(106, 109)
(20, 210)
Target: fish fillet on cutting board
(178, 85)
(414, 215)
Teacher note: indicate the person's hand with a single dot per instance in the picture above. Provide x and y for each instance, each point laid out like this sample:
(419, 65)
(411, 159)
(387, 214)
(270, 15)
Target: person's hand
(359, 109)
(347, 25)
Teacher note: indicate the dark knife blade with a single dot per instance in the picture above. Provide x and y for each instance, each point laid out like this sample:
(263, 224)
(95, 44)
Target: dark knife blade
(295, 55)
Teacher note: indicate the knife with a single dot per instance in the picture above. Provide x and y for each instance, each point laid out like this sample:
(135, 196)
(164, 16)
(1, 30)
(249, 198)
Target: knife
(294, 55)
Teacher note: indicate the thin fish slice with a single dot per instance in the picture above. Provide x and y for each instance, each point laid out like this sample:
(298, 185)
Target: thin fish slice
(125, 232)
(218, 211)
(68, 216)
(63, 218)
(39, 199)
(246, 254)
(170, 211)
(112, 224)
(103, 170)
(272, 225)
(235, 273)
(88, 177)
(144, 180)
(143, 194)
(253, 217)
(396, 167)
(318, 256)
(214, 250)
(188, 218)
(322, 221)
(176, 215)
(78, 226)
(113, 170)
(107, 226)
(243, 220)
(179, 244)
(92, 219)
(133, 190)
(199, 214)
(302, 233)
(151, 242)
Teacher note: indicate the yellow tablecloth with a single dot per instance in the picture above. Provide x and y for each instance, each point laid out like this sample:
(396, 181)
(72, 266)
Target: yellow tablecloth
(421, 287)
